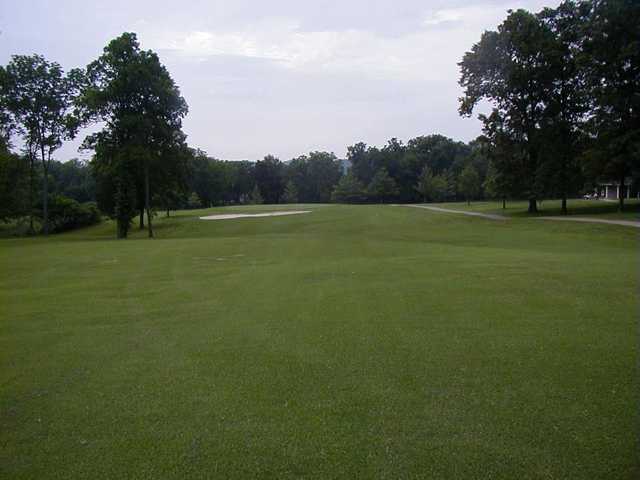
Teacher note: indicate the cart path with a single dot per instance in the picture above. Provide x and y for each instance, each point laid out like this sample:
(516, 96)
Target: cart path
(231, 216)
(491, 216)
(624, 223)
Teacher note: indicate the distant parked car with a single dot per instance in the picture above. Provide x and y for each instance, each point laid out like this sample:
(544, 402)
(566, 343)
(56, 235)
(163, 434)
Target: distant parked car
(591, 196)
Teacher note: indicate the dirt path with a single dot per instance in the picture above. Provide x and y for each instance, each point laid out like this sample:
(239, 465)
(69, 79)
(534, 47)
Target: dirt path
(624, 223)
(491, 216)
(230, 216)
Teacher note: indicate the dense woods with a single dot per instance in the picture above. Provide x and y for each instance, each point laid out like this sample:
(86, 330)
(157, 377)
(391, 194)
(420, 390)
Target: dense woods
(565, 114)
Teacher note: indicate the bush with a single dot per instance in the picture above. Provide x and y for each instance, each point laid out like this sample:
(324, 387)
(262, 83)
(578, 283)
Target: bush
(67, 214)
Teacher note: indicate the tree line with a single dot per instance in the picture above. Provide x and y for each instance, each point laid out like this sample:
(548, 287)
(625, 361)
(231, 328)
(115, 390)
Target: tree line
(140, 151)
(562, 84)
(431, 168)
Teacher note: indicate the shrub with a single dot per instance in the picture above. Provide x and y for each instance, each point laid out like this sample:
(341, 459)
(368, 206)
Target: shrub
(67, 214)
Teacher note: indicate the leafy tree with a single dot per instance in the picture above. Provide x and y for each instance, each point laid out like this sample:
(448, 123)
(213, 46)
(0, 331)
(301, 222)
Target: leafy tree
(256, 197)
(194, 201)
(269, 174)
(509, 68)
(133, 93)
(200, 178)
(173, 187)
(361, 159)
(14, 188)
(565, 101)
(290, 193)
(611, 59)
(116, 189)
(382, 186)
(423, 187)
(469, 183)
(67, 214)
(242, 181)
(73, 179)
(314, 176)
(432, 187)
(348, 190)
(38, 97)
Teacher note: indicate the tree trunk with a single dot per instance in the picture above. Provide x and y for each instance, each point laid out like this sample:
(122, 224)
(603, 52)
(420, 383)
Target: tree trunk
(147, 198)
(31, 190)
(45, 203)
(563, 209)
(45, 193)
(468, 202)
(533, 206)
(142, 218)
(121, 228)
(621, 194)
(167, 212)
(504, 203)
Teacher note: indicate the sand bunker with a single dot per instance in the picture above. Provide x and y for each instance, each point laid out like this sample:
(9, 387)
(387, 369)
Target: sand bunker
(229, 216)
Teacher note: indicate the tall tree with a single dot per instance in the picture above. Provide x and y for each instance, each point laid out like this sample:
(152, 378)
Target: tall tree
(565, 100)
(469, 183)
(290, 193)
(508, 68)
(348, 190)
(269, 174)
(314, 176)
(612, 61)
(39, 97)
(382, 187)
(432, 187)
(134, 95)
(506, 159)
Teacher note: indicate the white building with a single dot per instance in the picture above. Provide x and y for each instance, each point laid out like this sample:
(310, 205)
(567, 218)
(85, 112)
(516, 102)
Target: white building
(611, 190)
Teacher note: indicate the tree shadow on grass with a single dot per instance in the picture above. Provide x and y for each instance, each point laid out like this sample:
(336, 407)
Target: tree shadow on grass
(598, 208)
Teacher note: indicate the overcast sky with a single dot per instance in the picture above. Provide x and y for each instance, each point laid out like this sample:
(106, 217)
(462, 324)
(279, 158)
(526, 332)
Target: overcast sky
(281, 76)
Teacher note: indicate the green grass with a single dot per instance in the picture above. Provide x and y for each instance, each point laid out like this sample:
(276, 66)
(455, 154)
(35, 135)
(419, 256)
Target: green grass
(351, 342)
(583, 208)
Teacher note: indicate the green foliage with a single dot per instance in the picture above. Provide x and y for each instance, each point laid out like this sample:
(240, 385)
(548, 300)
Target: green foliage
(611, 58)
(270, 180)
(14, 186)
(405, 163)
(256, 196)
(37, 99)
(469, 182)
(290, 193)
(194, 201)
(132, 92)
(511, 69)
(348, 190)
(68, 214)
(314, 176)
(564, 92)
(432, 187)
(124, 199)
(73, 179)
(382, 187)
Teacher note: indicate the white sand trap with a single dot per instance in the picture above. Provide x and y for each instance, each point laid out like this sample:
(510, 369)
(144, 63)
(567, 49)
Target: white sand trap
(230, 216)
